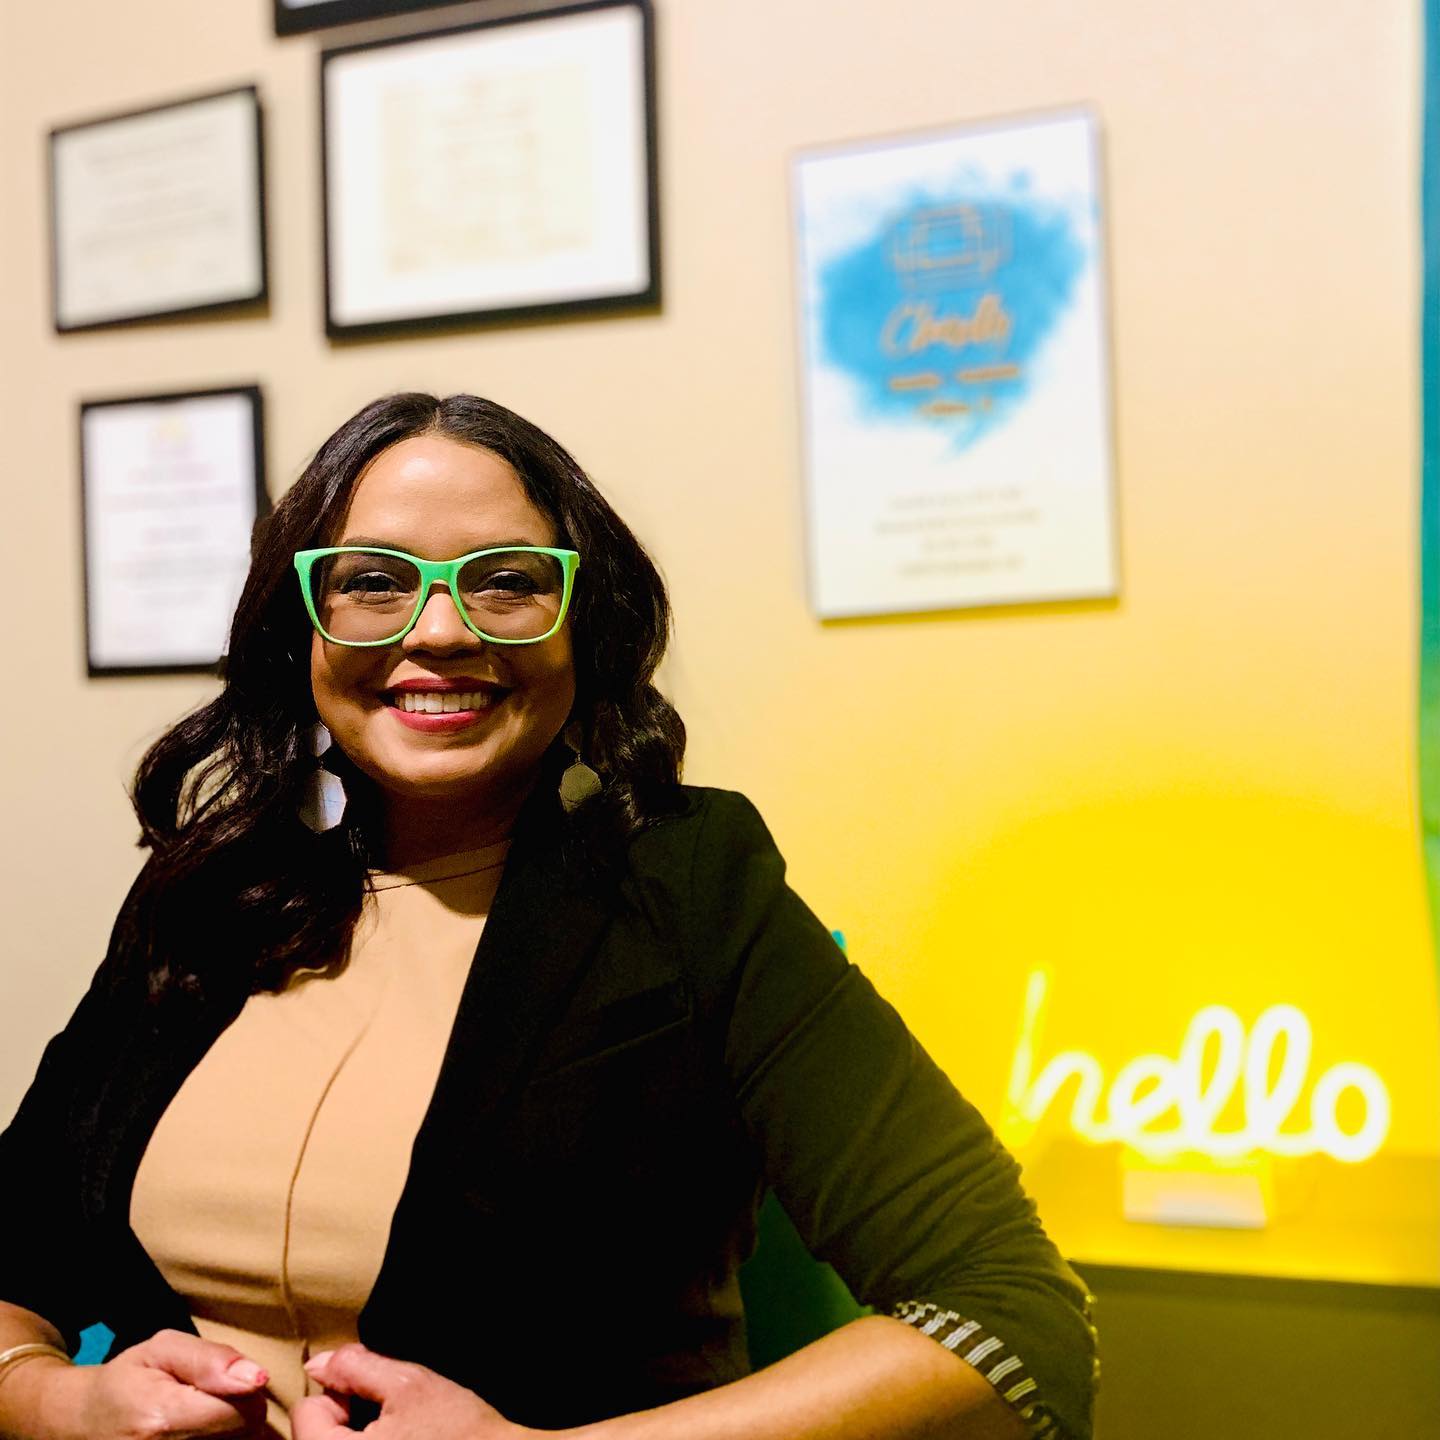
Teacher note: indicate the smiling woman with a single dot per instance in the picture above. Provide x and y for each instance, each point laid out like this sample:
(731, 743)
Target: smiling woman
(457, 779)
(383, 1108)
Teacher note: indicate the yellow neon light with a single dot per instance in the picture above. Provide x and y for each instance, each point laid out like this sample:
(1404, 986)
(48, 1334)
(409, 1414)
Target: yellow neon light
(1151, 1086)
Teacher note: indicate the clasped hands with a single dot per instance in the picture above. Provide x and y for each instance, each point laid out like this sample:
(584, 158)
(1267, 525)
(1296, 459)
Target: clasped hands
(176, 1386)
(415, 1403)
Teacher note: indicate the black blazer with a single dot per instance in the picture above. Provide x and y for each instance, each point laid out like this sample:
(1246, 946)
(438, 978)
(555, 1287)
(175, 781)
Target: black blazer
(630, 1065)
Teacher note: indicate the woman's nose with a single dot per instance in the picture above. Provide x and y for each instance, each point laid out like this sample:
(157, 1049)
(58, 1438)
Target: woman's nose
(440, 625)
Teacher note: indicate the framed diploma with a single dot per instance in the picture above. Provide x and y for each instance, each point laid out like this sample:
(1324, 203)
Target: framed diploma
(500, 170)
(292, 16)
(955, 371)
(159, 212)
(171, 487)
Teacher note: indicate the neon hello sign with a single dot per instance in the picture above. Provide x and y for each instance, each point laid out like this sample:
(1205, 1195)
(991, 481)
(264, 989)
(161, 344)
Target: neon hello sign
(1150, 1087)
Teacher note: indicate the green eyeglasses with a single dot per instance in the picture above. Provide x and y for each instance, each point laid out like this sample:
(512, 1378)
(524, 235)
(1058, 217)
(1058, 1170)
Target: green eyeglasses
(516, 595)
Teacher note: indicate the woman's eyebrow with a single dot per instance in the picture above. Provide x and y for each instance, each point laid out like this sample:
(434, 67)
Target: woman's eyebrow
(373, 542)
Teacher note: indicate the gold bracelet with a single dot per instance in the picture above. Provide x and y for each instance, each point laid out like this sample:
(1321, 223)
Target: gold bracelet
(17, 1355)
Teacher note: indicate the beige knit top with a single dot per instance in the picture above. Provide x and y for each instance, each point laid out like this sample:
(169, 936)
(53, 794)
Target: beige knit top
(266, 1192)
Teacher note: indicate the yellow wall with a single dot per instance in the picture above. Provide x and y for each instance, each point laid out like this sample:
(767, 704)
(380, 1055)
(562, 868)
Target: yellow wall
(1203, 792)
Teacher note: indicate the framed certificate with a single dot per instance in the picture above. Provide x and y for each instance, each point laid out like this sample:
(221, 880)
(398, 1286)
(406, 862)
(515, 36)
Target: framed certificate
(158, 212)
(171, 487)
(500, 170)
(955, 372)
(292, 16)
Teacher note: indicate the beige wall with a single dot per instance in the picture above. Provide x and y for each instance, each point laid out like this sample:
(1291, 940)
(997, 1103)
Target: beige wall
(1262, 178)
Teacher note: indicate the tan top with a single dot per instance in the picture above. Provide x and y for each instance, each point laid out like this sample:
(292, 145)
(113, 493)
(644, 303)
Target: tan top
(266, 1192)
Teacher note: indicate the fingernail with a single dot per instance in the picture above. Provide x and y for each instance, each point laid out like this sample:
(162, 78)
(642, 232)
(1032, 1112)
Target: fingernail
(321, 1360)
(248, 1372)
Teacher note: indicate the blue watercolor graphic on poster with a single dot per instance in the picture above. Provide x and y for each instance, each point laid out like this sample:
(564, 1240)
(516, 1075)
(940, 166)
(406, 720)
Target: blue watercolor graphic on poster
(943, 307)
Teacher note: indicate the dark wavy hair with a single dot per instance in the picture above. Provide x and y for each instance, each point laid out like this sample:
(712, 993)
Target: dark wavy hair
(217, 795)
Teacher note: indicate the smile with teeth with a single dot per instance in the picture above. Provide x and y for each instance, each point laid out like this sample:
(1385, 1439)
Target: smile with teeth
(441, 702)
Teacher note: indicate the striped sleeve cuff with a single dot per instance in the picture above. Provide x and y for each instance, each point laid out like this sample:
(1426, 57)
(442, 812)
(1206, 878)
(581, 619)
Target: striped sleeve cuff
(987, 1354)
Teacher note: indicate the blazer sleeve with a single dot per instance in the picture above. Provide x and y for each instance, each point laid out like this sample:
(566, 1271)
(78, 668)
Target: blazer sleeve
(43, 1233)
(47, 1256)
(888, 1173)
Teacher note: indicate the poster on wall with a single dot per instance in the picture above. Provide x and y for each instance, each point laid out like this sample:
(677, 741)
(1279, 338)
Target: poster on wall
(171, 487)
(955, 369)
(500, 170)
(158, 212)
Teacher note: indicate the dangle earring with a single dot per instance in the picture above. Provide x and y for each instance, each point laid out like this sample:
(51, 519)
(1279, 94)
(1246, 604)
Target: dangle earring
(579, 782)
(323, 803)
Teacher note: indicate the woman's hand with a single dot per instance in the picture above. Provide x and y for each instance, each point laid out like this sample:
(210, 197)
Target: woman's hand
(415, 1403)
(170, 1387)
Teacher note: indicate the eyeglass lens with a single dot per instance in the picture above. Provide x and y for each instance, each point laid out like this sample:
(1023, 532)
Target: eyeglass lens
(510, 594)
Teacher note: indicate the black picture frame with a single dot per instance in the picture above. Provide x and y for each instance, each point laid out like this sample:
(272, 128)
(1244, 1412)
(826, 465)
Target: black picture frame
(241, 295)
(157, 665)
(624, 298)
(322, 14)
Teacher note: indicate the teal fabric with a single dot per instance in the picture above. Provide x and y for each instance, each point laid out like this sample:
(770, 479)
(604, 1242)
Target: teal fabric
(1430, 466)
(790, 1297)
(94, 1345)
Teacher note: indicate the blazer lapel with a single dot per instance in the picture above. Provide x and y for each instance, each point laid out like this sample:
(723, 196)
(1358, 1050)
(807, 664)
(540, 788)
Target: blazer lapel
(541, 934)
(540, 937)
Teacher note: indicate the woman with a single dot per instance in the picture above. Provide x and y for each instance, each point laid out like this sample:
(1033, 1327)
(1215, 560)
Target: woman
(456, 1100)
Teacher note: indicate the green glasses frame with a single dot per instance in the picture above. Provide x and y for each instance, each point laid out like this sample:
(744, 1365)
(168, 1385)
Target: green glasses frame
(431, 571)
